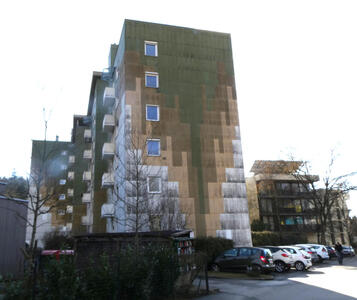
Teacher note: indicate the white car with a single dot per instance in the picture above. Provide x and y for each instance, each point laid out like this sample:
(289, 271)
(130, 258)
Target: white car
(321, 251)
(302, 260)
(282, 259)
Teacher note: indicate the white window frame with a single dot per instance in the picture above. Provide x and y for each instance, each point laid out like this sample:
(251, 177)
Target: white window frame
(62, 197)
(153, 44)
(152, 74)
(148, 184)
(62, 181)
(147, 148)
(158, 112)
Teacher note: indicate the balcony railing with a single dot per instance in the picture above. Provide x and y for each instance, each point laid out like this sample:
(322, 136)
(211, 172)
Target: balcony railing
(86, 220)
(108, 123)
(109, 96)
(87, 176)
(70, 192)
(71, 159)
(107, 211)
(107, 180)
(87, 154)
(108, 151)
(70, 175)
(87, 134)
(86, 198)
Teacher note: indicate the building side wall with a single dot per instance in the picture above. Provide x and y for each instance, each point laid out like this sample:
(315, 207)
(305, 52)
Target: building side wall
(12, 236)
(198, 128)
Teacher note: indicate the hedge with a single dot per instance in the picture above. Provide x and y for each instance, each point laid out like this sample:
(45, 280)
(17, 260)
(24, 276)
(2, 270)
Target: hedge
(268, 238)
(212, 247)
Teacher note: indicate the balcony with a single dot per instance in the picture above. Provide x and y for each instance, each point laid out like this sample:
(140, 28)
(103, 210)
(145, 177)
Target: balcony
(86, 198)
(108, 151)
(70, 175)
(86, 221)
(107, 211)
(71, 159)
(109, 96)
(70, 192)
(69, 209)
(88, 135)
(87, 176)
(69, 226)
(108, 123)
(107, 180)
(87, 154)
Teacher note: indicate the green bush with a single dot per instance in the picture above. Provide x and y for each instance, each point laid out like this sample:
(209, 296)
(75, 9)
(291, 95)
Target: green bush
(258, 225)
(212, 247)
(265, 238)
(292, 239)
(268, 238)
(147, 273)
(56, 240)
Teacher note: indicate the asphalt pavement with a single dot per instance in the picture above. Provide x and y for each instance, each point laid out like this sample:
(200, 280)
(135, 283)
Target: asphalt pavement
(327, 281)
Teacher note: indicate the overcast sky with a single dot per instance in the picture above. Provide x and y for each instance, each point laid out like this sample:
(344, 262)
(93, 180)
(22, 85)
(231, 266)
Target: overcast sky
(295, 67)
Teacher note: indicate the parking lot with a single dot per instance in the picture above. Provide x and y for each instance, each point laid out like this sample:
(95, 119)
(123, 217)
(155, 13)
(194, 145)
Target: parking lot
(323, 281)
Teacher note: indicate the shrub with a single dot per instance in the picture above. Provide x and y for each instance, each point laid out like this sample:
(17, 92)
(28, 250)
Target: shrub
(56, 240)
(268, 238)
(265, 238)
(258, 225)
(212, 247)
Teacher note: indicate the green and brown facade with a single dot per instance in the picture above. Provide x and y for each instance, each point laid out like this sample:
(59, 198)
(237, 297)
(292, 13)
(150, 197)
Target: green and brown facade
(175, 88)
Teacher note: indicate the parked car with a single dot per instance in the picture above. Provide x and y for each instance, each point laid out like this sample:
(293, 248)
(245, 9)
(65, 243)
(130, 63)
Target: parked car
(331, 251)
(348, 251)
(311, 251)
(244, 259)
(321, 250)
(283, 260)
(302, 260)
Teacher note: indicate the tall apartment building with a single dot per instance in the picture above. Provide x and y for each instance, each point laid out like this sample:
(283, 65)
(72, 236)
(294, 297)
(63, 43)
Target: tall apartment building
(51, 180)
(168, 98)
(278, 199)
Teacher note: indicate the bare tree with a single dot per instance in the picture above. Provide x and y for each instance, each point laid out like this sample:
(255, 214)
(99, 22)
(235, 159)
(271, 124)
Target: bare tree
(324, 195)
(144, 198)
(44, 187)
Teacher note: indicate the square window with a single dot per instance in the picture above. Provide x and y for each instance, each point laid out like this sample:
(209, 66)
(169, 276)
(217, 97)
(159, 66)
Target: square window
(154, 184)
(153, 147)
(150, 48)
(62, 181)
(62, 197)
(151, 79)
(152, 112)
(64, 152)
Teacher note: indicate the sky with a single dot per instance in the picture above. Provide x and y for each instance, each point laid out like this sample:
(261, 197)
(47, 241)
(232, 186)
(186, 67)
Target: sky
(295, 69)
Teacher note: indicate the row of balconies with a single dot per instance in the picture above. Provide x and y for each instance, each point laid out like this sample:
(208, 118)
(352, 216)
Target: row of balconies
(108, 150)
(107, 153)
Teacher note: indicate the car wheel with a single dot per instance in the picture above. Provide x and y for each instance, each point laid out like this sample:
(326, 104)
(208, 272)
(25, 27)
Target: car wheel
(216, 268)
(280, 266)
(299, 266)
